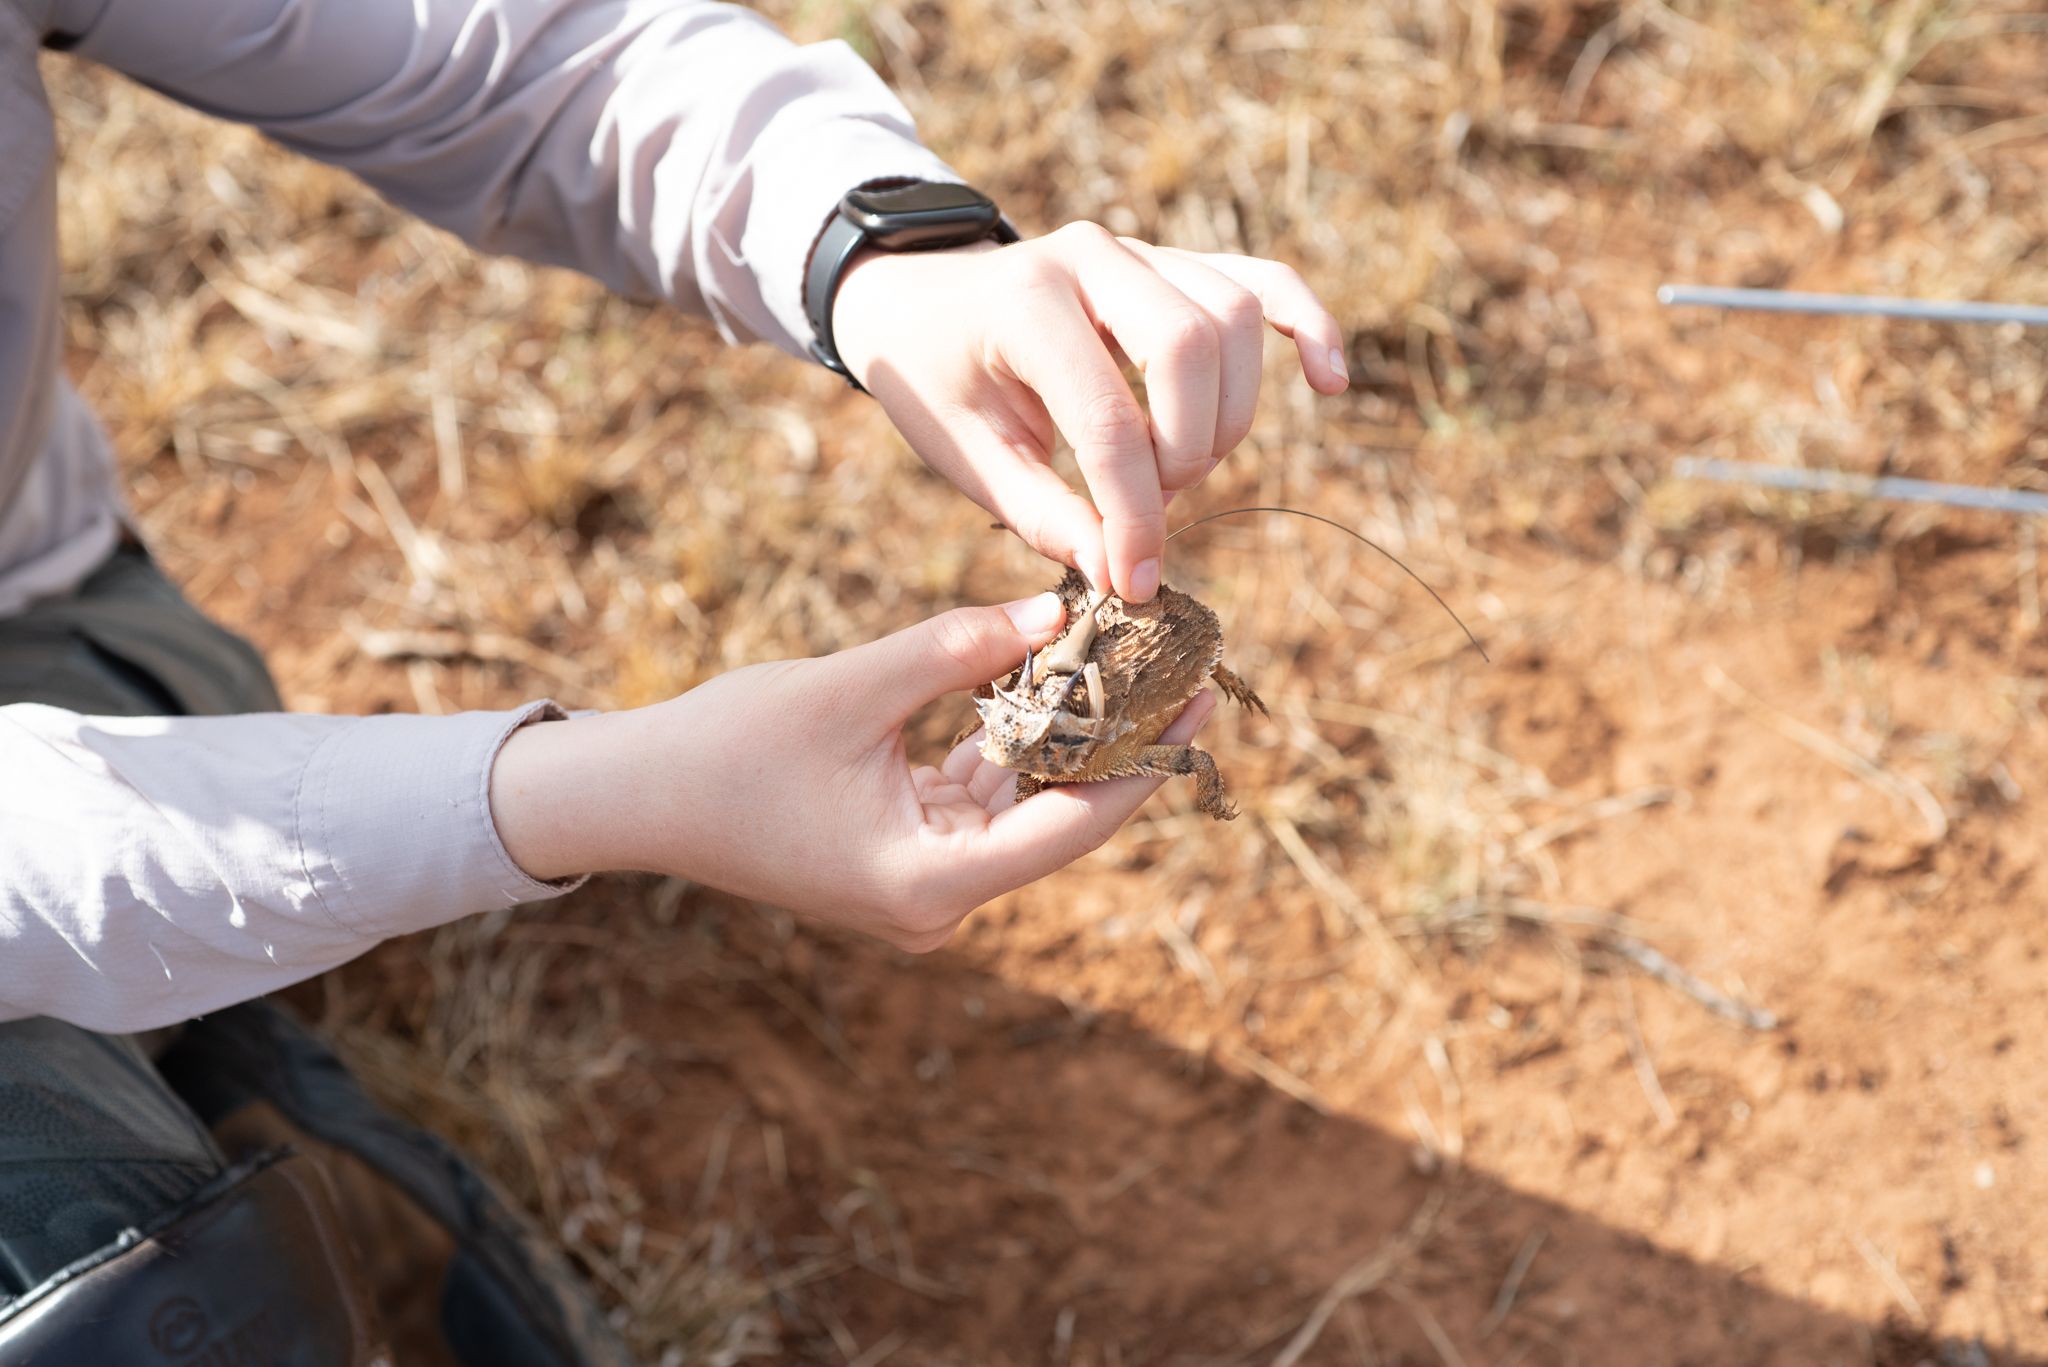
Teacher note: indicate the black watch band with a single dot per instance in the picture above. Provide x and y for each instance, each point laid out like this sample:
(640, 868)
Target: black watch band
(897, 216)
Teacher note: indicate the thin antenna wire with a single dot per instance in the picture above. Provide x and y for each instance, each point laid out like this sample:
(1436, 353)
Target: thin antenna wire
(1866, 305)
(1318, 517)
(1892, 487)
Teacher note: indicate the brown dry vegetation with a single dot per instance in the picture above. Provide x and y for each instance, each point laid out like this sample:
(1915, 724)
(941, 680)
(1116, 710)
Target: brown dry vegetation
(1377, 1073)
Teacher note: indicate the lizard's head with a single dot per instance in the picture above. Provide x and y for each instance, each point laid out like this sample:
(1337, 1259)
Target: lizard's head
(1015, 728)
(1037, 734)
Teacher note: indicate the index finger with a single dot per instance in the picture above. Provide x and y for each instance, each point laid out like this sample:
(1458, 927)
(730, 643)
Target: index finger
(1062, 358)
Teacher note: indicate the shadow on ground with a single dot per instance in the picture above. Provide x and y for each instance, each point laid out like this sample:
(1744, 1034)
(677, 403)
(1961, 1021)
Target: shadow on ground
(935, 1166)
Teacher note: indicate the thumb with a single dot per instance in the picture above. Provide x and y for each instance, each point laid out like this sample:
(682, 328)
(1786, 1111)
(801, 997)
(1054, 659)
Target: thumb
(950, 653)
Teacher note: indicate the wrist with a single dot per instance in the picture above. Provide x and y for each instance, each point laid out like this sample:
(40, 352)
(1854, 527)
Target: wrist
(897, 216)
(562, 795)
(874, 294)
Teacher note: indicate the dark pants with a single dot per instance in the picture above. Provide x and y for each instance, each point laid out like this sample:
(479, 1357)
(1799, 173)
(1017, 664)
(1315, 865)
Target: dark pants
(92, 1141)
(127, 644)
(238, 1197)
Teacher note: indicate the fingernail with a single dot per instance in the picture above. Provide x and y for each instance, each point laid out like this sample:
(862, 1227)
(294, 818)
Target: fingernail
(1145, 579)
(1035, 615)
(1343, 371)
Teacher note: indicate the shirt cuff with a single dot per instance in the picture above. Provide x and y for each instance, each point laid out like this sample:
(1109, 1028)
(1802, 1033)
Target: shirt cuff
(393, 822)
(851, 133)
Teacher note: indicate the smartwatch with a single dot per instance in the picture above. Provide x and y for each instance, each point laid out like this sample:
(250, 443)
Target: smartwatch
(898, 216)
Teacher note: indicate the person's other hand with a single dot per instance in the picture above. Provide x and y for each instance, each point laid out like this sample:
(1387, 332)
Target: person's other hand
(978, 354)
(789, 783)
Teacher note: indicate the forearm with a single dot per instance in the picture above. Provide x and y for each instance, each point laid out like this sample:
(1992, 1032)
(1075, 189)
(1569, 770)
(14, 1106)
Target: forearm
(680, 149)
(152, 869)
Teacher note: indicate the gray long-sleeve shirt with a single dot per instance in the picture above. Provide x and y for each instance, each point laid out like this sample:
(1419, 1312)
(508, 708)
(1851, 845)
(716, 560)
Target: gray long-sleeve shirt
(678, 149)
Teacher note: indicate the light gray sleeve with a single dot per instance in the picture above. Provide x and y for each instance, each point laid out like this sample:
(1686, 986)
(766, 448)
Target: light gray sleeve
(672, 148)
(152, 869)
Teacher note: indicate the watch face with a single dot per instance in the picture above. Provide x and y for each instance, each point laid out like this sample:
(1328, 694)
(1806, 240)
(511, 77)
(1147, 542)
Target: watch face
(927, 214)
(926, 197)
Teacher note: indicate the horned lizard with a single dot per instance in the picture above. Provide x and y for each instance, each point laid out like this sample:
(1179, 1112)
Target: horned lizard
(1134, 665)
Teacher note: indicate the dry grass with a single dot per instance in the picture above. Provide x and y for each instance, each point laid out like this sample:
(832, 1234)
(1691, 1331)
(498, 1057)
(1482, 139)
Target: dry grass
(520, 486)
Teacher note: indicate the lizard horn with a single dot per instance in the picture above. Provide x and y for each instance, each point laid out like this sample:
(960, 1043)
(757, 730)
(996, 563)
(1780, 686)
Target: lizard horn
(1066, 691)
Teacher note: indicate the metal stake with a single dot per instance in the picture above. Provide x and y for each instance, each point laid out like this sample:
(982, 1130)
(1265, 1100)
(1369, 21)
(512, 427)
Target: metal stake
(1893, 487)
(1866, 305)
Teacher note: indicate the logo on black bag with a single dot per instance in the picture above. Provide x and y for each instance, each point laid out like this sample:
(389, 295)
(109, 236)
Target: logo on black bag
(180, 1331)
(177, 1326)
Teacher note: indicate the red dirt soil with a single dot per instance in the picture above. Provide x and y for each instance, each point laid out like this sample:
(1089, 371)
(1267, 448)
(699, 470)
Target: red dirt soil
(1049, 1143)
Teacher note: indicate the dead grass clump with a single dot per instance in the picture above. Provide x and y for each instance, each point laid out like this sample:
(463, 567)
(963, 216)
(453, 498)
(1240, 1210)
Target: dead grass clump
(478, 1056)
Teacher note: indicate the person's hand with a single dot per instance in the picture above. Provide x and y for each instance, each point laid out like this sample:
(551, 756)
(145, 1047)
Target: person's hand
(788, 782)
(978, 354)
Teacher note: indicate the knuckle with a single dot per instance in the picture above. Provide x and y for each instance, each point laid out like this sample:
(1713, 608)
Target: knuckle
(1233, 429)
(1288, 278)
(1035, 275)
(1042, 529)
(1113, 420)
(1186, 457)
(1242, 312)
(1146, 526)
(959, 635)
(1187, 337)
(1184, 469)
(1084, 232)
